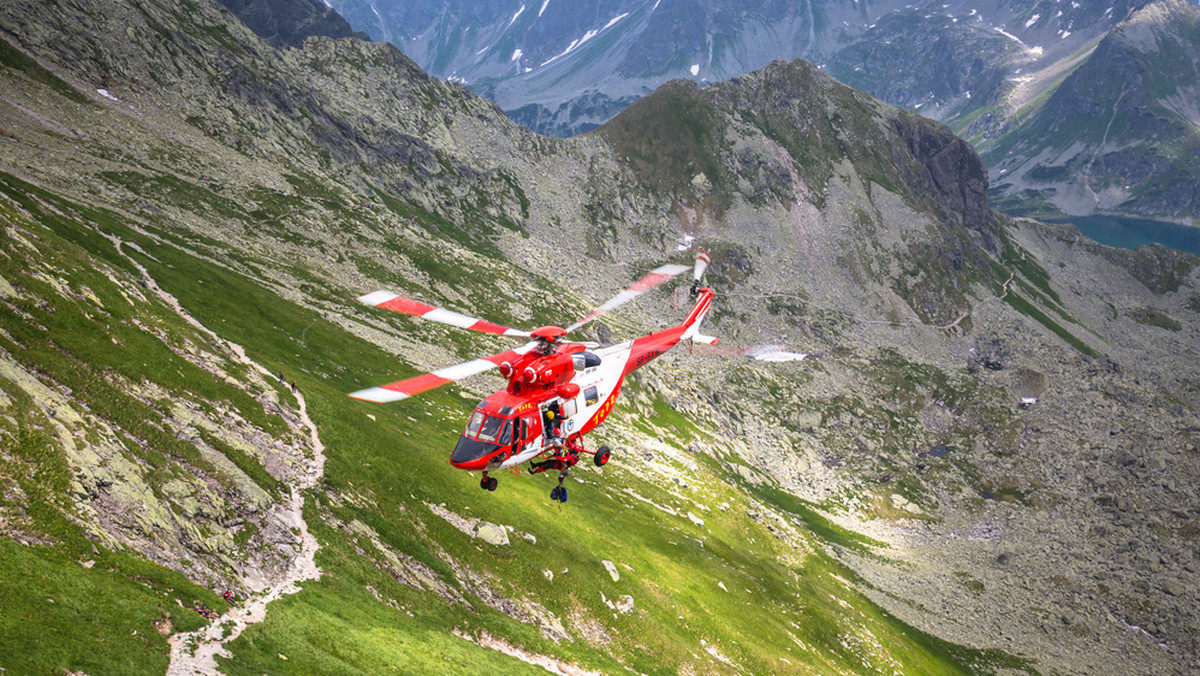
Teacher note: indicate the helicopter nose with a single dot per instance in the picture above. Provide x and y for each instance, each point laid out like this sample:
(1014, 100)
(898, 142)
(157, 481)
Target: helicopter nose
(473, 455)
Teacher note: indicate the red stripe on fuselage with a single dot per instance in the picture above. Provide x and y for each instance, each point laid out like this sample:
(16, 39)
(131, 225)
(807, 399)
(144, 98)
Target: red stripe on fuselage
(647, 348)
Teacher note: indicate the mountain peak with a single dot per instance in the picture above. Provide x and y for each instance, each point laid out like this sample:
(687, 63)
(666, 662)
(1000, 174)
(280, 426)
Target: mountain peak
(1122, 132)
(681, 131)
(1156, 21)
(287, 23)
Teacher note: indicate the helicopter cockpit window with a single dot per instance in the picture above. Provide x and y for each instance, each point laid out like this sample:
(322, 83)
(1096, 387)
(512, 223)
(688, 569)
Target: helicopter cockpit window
(490, 428)
(505, 434)
(475, 422)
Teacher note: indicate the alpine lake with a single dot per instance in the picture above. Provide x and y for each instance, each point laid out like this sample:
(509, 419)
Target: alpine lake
(1130, 233)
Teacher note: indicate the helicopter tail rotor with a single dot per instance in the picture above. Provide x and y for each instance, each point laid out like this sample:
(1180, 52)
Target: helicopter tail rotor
(702, 260)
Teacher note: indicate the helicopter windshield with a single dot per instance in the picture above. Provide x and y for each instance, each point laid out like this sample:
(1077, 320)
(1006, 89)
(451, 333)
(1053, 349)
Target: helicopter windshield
(485, 435)
(490, 428)
(475, 422)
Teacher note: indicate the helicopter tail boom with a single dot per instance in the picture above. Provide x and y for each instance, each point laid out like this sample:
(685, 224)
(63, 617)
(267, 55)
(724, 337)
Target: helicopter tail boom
(645, 349)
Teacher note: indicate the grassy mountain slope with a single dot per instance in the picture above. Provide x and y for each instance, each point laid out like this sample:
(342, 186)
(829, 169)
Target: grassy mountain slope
(834, 516)
(379, 538)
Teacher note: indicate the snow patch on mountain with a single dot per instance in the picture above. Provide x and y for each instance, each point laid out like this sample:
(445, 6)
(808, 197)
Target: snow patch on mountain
(615, 19)
(571, 47)
(515, 16)
(576, 44)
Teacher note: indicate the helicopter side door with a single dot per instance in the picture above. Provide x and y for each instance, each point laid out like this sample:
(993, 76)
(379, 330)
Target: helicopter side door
(528, 441)
(530, 429)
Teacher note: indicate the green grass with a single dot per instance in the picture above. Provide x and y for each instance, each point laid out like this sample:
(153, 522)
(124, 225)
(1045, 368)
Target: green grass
(383, 464)
(680, 426)
(817, 523)
(1152, 317)
(61, 616)
(1029, 309)
(1034, 282)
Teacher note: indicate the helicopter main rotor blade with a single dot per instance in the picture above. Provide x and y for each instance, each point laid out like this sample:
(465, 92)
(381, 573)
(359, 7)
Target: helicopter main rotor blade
(657, 276)
(390, 301)
(408, 387)
(758, 352)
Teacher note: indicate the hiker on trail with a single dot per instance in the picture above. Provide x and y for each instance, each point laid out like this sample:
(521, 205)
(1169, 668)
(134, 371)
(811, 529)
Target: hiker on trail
(293, 386)
(281, 380)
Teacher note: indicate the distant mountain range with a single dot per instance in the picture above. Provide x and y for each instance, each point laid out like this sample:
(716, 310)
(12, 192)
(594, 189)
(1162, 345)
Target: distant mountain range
(1122, 131)
(984, 69)
(950, 58)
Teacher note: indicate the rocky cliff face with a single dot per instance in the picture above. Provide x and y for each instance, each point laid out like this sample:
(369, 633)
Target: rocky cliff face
(793, 157)
(982, 434)
(286, 23)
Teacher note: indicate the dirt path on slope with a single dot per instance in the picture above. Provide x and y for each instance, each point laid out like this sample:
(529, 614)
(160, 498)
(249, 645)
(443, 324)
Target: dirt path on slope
(196, 652)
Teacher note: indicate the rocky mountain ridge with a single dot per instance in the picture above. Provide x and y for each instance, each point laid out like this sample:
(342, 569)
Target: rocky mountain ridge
(986, 70)
(265, 189)
(570, 68)
(288, 24)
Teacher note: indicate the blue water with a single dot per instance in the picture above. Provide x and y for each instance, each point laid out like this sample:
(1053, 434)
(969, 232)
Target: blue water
(1130, 233)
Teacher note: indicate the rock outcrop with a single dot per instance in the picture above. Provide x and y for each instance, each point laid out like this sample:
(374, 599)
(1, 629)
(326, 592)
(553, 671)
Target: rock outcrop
(287, 23)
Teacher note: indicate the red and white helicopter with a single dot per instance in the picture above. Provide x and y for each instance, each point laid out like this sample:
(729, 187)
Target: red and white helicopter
(558, 390)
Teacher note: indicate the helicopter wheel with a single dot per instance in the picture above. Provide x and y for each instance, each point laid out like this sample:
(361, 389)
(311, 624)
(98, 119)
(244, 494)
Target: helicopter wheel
(601, 456)
(488, 483)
